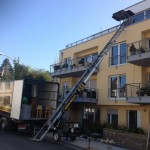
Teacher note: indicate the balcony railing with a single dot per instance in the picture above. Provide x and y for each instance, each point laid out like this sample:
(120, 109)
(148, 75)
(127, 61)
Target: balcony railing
(107, 31)
(136, 19)
(117, 93)
(138, 92)
(139, 53)
(139, 47)
(71, 67)
(88, 95)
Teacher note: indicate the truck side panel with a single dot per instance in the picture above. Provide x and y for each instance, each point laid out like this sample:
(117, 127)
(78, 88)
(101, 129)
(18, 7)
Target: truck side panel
(16, 102)
(6, 96)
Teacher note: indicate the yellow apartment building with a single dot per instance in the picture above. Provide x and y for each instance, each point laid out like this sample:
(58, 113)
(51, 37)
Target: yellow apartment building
(118, 92)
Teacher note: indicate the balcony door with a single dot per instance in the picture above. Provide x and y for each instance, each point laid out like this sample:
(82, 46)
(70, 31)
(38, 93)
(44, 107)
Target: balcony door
(134, 119)
(68, 63)
(65, 88)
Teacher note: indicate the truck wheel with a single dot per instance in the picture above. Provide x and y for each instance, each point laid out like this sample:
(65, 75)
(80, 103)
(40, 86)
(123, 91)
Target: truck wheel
(72, 137)
(3, 125)
(56, 136)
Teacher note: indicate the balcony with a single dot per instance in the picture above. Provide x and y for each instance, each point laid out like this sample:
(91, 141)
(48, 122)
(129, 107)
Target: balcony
(139, 53)
(74, 68)
(138, 93)
(88, 95)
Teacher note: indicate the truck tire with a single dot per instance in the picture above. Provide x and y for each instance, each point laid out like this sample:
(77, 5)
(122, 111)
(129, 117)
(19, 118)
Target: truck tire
(57, 136)
(3, 124)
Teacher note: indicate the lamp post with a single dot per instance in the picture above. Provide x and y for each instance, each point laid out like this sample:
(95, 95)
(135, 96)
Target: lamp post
(14, 62)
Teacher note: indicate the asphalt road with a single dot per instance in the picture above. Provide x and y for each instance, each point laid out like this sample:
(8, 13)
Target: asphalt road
(14, 141)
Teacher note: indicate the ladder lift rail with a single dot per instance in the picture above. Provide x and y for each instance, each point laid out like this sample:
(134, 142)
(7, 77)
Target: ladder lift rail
(63, 107)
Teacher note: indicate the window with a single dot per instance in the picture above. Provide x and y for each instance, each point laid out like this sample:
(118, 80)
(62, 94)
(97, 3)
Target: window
(148, 14)
(117, 86)
(118, 54)
(113, 117)
(91, 115)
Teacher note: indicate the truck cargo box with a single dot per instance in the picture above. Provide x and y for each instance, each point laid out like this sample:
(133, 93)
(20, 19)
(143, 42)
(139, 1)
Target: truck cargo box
(21, 99)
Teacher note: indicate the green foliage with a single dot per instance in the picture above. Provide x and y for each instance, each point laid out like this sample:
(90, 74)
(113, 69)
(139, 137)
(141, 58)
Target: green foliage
(23, 72)
(123, 128)
(7, 70)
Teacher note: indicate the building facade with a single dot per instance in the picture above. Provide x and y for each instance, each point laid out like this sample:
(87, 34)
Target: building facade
(118, 92)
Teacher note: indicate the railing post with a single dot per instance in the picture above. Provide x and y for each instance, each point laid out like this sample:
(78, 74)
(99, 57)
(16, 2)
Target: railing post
(139, 91)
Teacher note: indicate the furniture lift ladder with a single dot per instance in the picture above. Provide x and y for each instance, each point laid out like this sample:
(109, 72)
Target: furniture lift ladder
(63, 107)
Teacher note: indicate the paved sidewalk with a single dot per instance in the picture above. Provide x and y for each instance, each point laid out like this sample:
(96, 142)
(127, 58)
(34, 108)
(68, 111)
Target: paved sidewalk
(92, 145)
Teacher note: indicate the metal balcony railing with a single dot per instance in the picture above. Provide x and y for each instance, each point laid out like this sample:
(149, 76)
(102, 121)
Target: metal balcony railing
(138, 89)
(86, 95)
(117, 93)
(136, 19)
(72, 64)
(139, 47)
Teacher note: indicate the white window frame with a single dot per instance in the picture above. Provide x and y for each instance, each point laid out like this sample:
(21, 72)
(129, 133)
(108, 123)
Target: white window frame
(119, 45)
(118, 87)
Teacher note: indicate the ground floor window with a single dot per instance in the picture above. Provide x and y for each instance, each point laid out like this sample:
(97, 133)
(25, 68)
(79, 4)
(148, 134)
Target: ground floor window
(91, 115)
(113, 117)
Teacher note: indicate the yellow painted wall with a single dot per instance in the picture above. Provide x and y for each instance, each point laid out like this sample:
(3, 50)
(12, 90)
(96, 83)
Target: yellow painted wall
(122, 114)
(134, 74)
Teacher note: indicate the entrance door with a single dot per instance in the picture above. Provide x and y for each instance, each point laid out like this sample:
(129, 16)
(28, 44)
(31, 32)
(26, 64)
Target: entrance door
(132, 119)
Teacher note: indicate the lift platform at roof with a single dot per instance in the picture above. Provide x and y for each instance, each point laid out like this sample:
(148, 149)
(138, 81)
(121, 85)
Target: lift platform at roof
(122, 15)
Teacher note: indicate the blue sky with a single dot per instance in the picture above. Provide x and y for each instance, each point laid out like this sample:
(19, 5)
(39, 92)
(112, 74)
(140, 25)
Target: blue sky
(35, 30)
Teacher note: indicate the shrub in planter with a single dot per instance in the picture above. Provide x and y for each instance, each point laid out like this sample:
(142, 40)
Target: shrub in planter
(122, 128)
(73, 66)
(65, 65)
(142, 50)
(132, 49)
(139, 131)
(81, 61)
(141, 92)
(147, 91)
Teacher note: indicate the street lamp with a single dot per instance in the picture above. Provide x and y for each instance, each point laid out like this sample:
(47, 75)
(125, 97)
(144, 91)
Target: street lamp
(14, 62)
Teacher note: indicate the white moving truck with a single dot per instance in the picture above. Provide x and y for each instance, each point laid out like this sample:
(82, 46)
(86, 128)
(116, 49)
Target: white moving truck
(26, 104)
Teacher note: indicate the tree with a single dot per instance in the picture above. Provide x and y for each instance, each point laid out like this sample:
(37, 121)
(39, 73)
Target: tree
(7, 70)
(23, 72)
(28, 73)
(38, 74)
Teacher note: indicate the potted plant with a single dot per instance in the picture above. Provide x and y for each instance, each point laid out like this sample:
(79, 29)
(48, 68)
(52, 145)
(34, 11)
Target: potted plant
(132, 50)
(147, 91)
(73, 66)
(142, 50)
(141, 92)
(65, 65)
(81, 61)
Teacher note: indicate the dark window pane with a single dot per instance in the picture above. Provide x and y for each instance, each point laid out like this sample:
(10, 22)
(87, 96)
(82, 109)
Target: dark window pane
(138, 18)
(114, 119)
(122, 86)
(123, 53)
(148, 14)
(113, 87)
(132, 119)
(114, 55)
